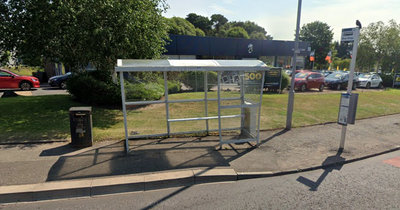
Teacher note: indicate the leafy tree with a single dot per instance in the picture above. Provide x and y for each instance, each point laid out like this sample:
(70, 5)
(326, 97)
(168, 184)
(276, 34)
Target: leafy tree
(182, 26)
(249, 26)
(341, 63)
(379, 46)
(200, 22)
(366, 58)
(78, 32)
(199, 32)
(218, 20)
(257, 35)
(237, 32)
(343, 49)
(320, 36)
(4, 58)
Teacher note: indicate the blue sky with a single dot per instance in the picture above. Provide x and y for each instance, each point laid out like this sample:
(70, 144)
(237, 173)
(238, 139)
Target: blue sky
(279, 17)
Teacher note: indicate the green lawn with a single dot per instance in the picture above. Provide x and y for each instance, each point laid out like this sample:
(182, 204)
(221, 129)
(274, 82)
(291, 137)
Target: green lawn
(25, 119)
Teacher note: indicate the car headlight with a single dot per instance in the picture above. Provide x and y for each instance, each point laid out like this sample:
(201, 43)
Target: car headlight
(35, 80)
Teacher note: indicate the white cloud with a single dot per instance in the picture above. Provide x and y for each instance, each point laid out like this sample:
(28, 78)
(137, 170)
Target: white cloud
(231, 2)
(220, 9)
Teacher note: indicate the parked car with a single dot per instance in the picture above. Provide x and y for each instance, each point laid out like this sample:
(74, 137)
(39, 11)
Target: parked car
(339, 80)
(370, 80)
(308, 80)
(10, 80)
(396, 80)
(298, 71)
(59, 81)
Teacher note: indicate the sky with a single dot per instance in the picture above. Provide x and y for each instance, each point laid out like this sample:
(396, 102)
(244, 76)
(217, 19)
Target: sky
(279, 17)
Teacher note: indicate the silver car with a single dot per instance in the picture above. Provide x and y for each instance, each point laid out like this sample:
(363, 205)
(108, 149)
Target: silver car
(370, 80)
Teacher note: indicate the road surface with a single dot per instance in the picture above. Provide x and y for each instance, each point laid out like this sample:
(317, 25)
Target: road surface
(369, 184)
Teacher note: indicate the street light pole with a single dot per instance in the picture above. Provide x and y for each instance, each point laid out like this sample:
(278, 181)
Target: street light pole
(296, 51)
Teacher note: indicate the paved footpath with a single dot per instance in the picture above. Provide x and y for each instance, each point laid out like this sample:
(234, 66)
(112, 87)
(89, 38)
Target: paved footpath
(41, 171)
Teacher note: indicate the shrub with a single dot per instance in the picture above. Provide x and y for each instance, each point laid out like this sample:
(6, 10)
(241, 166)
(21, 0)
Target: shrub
(94, 88)
(189, 79)
(143, 91)
(285, 81)
(387, 80)
(174, 87)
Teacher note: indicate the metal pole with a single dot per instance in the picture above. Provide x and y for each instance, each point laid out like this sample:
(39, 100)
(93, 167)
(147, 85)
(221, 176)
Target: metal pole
(166, 102)
(280, 81)
(296, 51)
(121, 79)
(241, 99)
(219, 109)
(206, 99)
(259, 108)
(350, 84)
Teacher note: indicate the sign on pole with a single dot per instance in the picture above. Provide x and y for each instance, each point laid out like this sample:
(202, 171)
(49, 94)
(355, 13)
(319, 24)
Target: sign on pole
(348, 34)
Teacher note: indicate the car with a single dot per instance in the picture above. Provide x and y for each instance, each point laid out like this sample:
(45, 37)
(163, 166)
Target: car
(308, 80)
(60, 80)
(298, 71)
(396, 80)
(339, 80)
(10, 80)
(370, 80)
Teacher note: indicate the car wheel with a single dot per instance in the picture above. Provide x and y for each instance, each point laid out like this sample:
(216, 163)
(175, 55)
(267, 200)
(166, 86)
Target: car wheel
(368, 85)
(354, 86)
(25, 86)
(380, 86)
(339, 86)
(303, 88)
(63, 85)
(321, 88)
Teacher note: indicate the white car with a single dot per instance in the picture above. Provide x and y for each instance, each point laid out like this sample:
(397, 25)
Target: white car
(370, 80)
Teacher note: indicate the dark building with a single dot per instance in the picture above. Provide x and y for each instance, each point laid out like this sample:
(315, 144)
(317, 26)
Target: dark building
(272, 52)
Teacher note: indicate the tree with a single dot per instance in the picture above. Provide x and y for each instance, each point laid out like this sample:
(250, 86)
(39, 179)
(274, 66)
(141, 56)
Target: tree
(320, 36)
(343, 49)
(200, 22)
(249, 26)
(237, 32)
(218, 20)
(78, 32)
(182, 26)
(379, 46)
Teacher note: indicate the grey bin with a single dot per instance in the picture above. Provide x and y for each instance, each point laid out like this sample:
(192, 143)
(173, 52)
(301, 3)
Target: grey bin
(81, 126)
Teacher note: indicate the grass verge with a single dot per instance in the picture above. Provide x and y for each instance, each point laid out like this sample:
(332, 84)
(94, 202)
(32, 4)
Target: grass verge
(25, 119)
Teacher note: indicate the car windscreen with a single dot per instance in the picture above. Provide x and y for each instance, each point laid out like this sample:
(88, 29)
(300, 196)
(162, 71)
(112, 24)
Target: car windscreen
(301, 75)
(364, 76)
(335, 76)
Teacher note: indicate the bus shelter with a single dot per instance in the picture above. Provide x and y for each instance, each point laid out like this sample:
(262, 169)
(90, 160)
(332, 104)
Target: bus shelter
(219, 97)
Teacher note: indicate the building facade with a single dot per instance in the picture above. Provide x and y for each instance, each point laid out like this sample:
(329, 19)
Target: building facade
(272, 52)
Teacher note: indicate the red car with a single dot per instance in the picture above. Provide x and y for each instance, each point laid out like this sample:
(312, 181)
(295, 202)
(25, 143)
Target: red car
(10, 80)
(308, 80)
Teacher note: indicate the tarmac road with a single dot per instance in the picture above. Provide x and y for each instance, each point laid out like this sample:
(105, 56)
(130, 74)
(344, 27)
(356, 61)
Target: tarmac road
(367, 184)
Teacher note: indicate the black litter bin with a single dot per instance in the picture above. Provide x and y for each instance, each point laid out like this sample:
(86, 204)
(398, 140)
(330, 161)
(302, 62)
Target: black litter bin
(81, 126)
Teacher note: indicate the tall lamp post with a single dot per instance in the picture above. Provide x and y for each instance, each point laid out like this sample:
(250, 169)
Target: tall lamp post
(296, 51)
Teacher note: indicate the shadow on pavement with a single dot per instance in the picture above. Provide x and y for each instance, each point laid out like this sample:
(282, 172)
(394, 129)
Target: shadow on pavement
(58, 151)
(328, 161)
(145, 156)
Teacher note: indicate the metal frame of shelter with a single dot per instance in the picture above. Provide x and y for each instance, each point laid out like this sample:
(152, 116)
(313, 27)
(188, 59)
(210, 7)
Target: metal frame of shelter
(218, 66)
